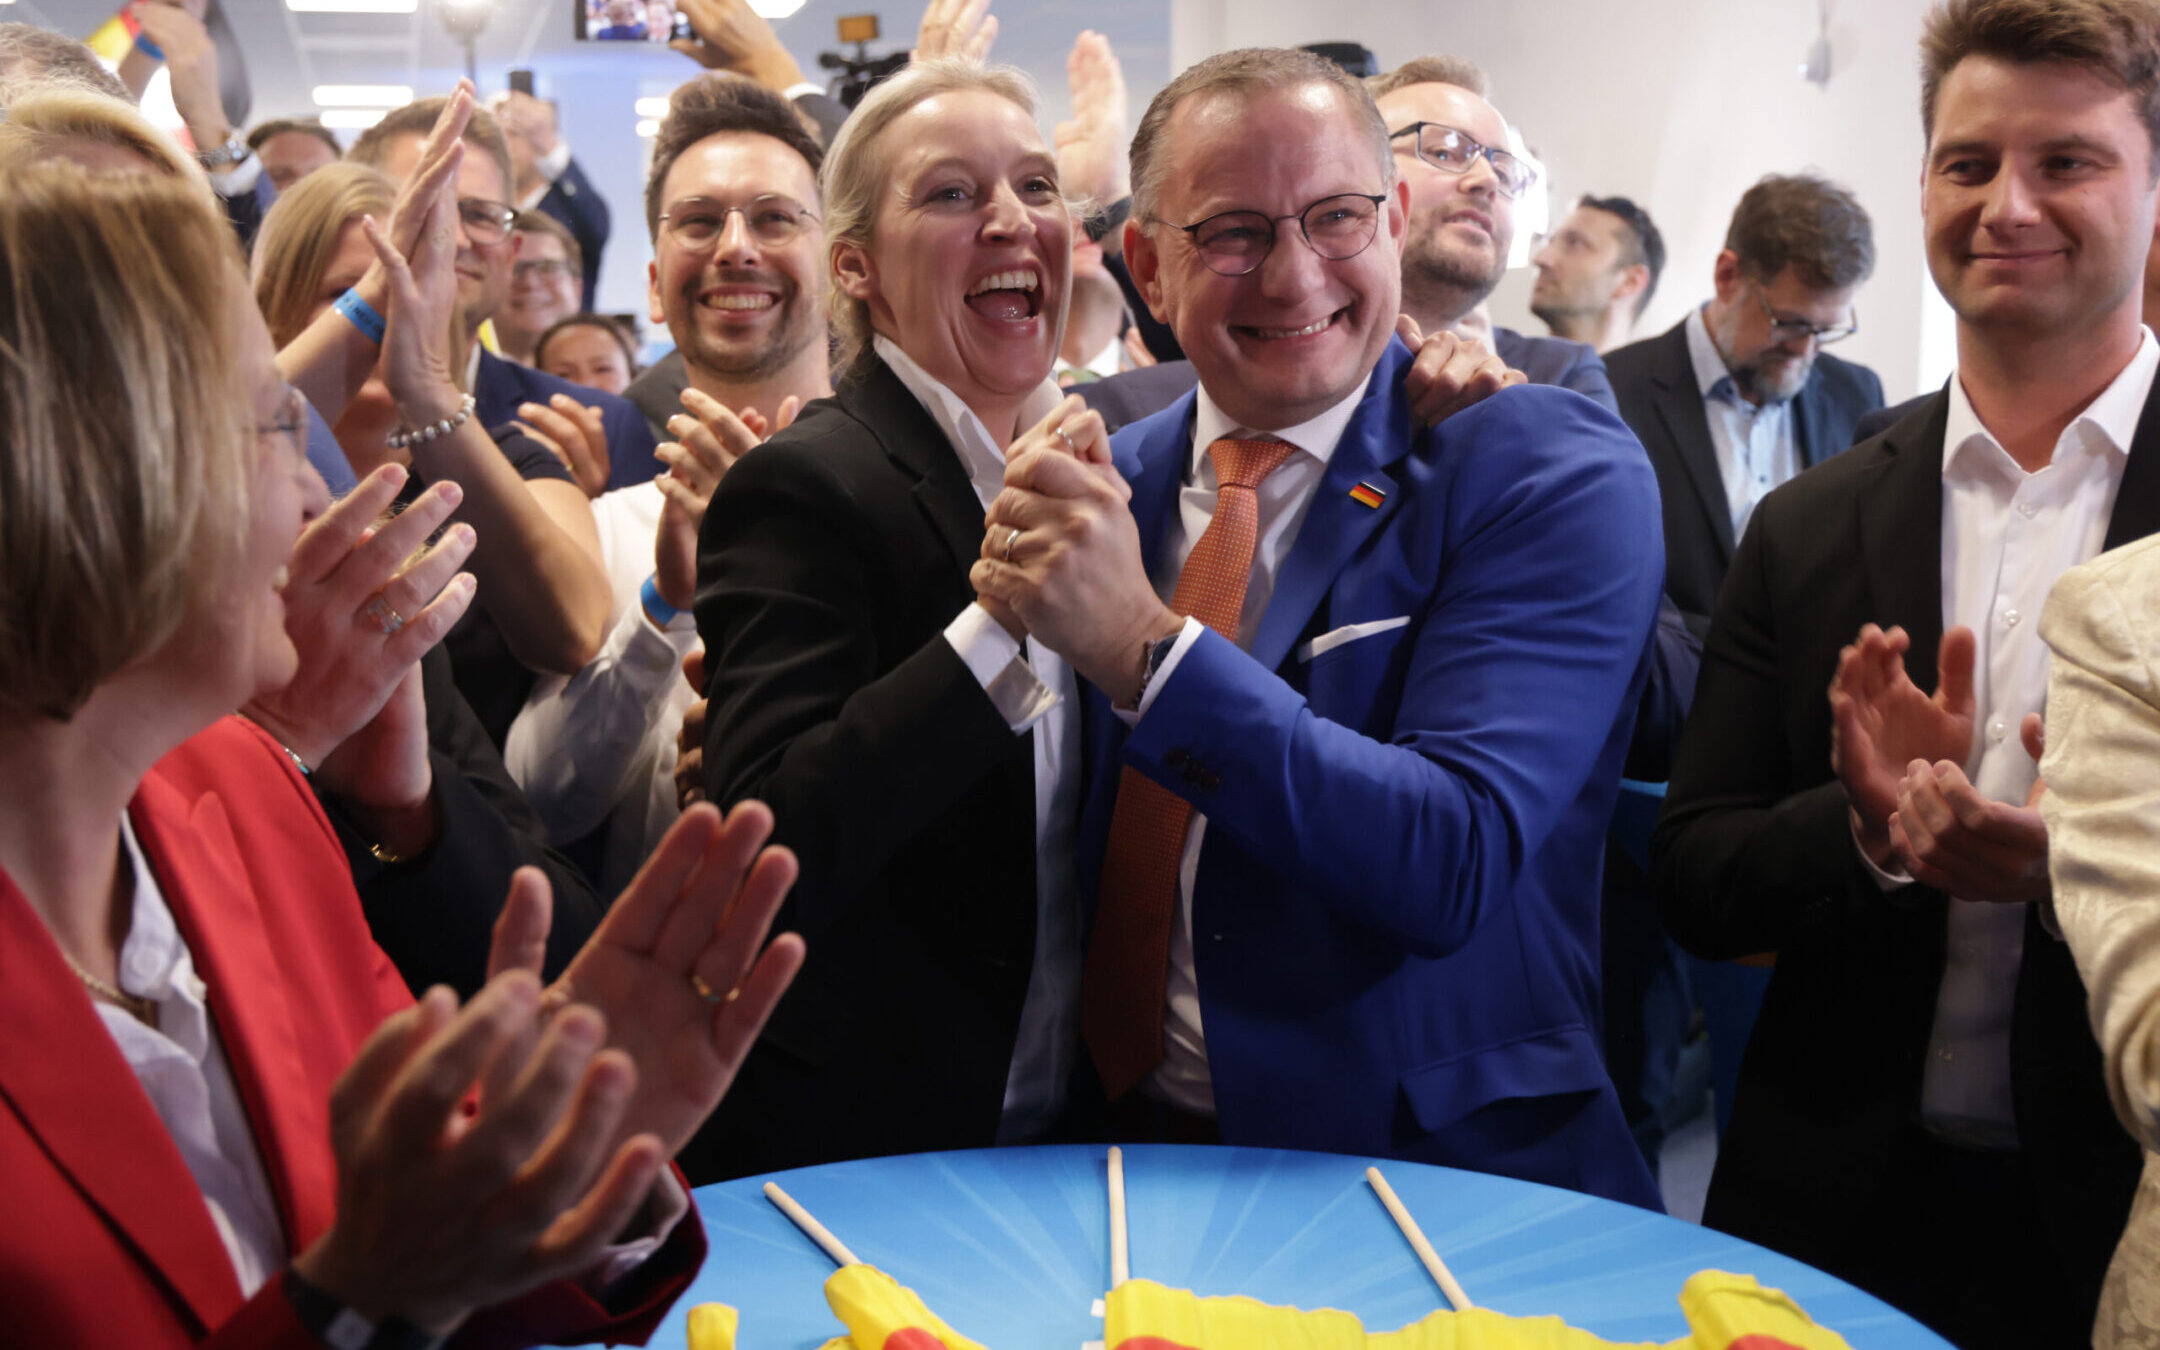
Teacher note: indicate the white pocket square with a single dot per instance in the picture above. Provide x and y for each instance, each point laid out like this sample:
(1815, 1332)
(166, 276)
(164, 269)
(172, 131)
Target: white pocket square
(1329, 641)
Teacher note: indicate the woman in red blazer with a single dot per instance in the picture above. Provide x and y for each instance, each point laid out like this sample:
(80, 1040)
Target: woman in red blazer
(195, 1016)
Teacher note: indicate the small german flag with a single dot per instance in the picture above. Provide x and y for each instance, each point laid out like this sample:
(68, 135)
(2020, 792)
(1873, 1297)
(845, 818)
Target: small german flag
(1365, 494)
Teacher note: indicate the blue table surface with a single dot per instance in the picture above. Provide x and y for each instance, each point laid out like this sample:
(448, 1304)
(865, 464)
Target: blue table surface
(1012, 1246)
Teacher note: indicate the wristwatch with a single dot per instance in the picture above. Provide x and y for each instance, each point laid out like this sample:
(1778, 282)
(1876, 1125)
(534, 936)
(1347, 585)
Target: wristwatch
(233, 151)
(340, 1328)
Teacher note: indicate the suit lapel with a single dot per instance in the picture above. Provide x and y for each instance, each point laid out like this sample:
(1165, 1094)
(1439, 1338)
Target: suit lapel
(1161, 448)
(1687, 426)
(1336, 524)
(1901, 539)
(2137, 500)
(220, 917)
(67, 1081)
(912, 437)
(1810, 418)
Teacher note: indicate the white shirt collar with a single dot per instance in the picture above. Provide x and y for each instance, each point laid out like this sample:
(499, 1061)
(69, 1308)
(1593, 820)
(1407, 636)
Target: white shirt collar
(1316, 437)
(1703, 354)
(2107, 424)
(982, 454)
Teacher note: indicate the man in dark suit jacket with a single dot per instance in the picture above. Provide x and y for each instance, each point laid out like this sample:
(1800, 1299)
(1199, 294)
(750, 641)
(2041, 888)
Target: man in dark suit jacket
(1922, 1109)
(1739, 396)
(547, 179)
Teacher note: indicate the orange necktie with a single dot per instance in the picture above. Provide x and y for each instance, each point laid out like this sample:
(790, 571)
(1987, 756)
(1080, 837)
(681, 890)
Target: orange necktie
(1128, 955)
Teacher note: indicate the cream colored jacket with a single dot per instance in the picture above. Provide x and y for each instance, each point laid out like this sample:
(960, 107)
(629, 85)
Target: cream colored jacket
(2102, 807)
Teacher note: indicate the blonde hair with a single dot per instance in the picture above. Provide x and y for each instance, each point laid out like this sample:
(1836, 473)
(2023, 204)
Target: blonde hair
(855, 174)
(300, 235)
(39, 125)
(125, 435)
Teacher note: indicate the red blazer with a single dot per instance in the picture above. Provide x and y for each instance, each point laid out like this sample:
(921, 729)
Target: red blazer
(104, 1237)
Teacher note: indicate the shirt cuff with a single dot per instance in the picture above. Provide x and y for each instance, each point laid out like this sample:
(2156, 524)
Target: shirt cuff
(994, 658)
(1186, 637)
(1888, 881)
(796, 91)
(669, 1202)
(239, 179)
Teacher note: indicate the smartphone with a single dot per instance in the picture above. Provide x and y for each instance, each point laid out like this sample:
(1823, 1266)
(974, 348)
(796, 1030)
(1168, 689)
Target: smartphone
(650, 21)
(521, 82)
(858, 28)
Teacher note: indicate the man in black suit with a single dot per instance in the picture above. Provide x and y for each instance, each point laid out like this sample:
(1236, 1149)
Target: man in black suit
(1739, 396)
(1451, 151)
(546, 178)
(1922, 1108)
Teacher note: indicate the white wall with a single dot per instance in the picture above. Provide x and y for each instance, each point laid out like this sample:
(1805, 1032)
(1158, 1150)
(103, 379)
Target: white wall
(1679, 104)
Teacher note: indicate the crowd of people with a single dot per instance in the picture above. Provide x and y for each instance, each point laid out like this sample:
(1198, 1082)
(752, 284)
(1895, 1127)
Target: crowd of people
(1161, 658)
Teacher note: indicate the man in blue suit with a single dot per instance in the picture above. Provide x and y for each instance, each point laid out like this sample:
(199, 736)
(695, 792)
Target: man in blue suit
(1360, 692)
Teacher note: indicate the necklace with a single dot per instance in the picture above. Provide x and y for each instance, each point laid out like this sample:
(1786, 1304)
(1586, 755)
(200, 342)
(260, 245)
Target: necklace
(141, 1009)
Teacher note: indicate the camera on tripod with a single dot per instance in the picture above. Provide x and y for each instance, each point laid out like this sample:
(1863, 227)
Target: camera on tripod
(861, 72)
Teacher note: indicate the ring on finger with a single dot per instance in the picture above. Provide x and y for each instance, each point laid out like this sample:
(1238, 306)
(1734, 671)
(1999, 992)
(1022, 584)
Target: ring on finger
(1010, 536)
(1064, 436)
(706, 991)
(378, 612)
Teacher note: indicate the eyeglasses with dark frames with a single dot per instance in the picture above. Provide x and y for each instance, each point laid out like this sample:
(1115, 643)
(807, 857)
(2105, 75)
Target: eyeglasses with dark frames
(1233, 243)
(485, 222)
(1453, 151)
(772, 219)
(1784, 328)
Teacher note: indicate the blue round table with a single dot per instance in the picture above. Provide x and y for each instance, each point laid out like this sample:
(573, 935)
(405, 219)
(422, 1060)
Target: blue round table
(1012, 1246)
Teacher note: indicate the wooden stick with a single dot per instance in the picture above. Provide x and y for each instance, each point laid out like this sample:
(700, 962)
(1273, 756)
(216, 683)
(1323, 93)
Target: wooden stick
(1434, 1266)
(812, 1229)
(1120, 1253)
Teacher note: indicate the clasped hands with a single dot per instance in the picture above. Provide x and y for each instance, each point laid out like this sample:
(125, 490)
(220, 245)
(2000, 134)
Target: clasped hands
(1898, 751)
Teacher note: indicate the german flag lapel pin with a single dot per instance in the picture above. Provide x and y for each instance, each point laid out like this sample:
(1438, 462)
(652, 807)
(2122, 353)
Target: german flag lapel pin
(1365, 494)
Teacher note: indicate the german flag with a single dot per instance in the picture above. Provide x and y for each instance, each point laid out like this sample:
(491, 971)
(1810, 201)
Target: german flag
(1365, 494)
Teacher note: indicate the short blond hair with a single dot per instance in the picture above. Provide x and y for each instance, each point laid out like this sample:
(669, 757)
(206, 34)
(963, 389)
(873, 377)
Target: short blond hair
(856, 173)
(39, 125)
(126, 438)
(299, 239)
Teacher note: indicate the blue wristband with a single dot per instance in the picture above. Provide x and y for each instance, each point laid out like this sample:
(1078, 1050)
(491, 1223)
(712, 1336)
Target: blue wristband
(658, 610)
(148, 48)
(361, 315)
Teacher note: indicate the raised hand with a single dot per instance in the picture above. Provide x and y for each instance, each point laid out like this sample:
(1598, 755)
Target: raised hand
(963, 28)
(1881, 722)
(1091, 147)
(192, 59)
(712, 439)
(576, 434)
(1450, 373)
(422, 297)
(732, 36)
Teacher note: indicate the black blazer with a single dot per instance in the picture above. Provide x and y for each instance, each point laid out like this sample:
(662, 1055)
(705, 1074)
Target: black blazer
(1655, 383)
(830, 561)
(1754, 853)
(579, 208)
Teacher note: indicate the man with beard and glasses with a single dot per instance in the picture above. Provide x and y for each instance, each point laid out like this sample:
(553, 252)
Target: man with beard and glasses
(1739, 396)
(1451, 152)
(738, 272)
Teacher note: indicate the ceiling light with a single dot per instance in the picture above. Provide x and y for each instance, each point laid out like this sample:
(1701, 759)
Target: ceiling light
(352, 6)
(362, 95)
(352, 119)
(650, 127)
(652, 107)
(775, 9)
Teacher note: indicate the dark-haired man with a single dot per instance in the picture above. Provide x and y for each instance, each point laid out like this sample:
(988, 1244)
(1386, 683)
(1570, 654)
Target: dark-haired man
(487, 251)
(1922, 1109)
(1739, 396)
(1597, 272)
(290, 150)
(738, 272)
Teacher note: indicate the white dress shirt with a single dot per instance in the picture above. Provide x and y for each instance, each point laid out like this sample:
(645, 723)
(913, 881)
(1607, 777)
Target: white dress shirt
(1756, 449)
(2007, 535)
(1285, 495)
(1031, 687)
(599, 747)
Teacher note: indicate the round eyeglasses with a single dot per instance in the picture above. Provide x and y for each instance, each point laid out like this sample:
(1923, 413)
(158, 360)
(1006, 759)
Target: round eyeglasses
(1785, 328)
(1233, 243)
(1452, 151)
(485, 222)
(772, 220)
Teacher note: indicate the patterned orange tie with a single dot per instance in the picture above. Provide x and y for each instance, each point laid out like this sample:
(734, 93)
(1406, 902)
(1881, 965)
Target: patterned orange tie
(1128, 955)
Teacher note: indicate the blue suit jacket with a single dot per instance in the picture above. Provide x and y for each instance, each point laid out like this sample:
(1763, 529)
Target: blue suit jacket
(1551, 360)
(1396, 911)
(503, 385)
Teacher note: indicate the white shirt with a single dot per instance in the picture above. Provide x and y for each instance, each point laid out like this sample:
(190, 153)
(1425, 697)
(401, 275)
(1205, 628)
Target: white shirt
(599, 747)
(2007, 536)
(1755, 446)
(1284, 496)
(1028, 686)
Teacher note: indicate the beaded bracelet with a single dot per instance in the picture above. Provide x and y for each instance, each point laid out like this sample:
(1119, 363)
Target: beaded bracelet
(361, 315)
(400, 440)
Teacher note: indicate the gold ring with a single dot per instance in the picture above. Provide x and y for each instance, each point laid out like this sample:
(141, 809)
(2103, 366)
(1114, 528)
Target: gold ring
(1009, 538)
(706, 991)
(386, 620)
